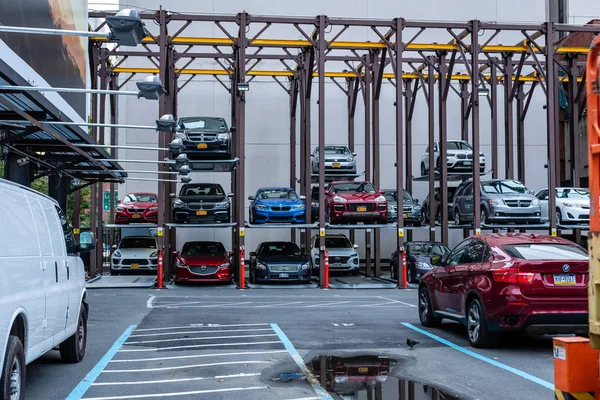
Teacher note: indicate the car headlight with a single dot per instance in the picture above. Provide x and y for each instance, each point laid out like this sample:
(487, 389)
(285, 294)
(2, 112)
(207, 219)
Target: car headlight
(154, 254)
(223, 136)
(226, 265)
(535, 202)
(299, 207)
(380, 199)
(305, 266)
(260, 265)
(260, 207)
(496, 202)
(222, 204)
(117, 254)
(339, 199)
(153, 209)
(179, 204)
(351, 158)
(119, 209)
(423, 265)
(417, 208)
(180, 264)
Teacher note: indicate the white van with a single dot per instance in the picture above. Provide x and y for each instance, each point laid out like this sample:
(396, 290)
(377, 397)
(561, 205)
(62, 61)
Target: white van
(42, 285)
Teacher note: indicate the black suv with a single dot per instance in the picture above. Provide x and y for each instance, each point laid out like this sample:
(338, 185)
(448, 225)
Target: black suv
(205, 137)
(202, 203)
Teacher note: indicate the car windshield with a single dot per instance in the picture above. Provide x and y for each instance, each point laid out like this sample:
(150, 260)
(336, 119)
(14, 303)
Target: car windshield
(336, 150)
(389, 195)
(137, 243)
(407, 197)
(203, 123)
(354, 187)
(280, 249)
(546, 251)
(459, 146)
(507, 186)
(277, 194)
(338, 242)
(140, 197)
(572, 193)
(202, 190)
(203, 249)
(428, 249)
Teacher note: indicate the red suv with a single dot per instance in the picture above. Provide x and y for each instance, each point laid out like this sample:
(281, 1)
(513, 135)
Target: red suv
(203, 262)
(496, 283)
(355, 201)
(137, 207)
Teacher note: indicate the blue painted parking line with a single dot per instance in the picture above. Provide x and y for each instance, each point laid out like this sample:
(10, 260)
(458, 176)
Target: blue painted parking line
(85, 384)
(495, 363)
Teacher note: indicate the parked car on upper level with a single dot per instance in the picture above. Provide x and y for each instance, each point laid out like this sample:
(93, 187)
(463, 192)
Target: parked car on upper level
(202, 203)
(137, 207)
(314, 203)
(502, 201)
(355, 201)
(205, 137)
(277, 205)
(411, 210)
(496, 283)
(418, 259)
(459, 157)
(338, 159)
(279, 261)
(572, 205)
(203, 262)
(42, 289)
(343, 256)
(134, 254)
(437, 205)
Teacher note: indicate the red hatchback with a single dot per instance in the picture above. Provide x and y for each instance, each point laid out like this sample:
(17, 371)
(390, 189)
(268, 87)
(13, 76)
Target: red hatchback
(496, 283)
(355, 201)
(137, 207)
(203, 262)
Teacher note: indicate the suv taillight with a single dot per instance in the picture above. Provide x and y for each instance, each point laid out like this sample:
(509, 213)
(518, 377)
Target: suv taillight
(512, 275)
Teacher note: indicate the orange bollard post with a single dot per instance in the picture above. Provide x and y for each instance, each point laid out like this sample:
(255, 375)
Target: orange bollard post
(242, 270)
(575, 368)
(326, 283)
(404, 283)
(160, 270)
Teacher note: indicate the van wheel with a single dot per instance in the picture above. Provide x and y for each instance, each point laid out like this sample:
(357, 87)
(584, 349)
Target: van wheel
(477, 329)
(72, 350)
(12, 380)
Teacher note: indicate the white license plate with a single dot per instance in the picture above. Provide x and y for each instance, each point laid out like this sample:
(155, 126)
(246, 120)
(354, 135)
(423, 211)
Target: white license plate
(284, 275)
(468, 163)
(565, 279)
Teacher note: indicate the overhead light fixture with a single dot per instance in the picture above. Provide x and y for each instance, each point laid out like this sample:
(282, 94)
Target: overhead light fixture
(150, 88)
(483, 92)
(243, 86)
(186, 179)
(126, 27)
(184, 169)
(176, 145)
(22, 161)
(182, 159)
(166, 123)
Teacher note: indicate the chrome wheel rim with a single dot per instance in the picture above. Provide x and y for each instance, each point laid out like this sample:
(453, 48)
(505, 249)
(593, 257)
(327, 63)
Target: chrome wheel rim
(474, 323)
(15, 379)
(423, 305)
(558, 216)
(457, 218)
(81, 334)
(483, 217)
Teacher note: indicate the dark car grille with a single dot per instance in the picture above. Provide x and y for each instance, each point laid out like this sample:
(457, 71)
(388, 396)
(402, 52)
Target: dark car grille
(201, 206)
(279, 218)
(202, 137)
(354, 206)
(283, 268)
(136, 210)
(461, 156)
(204, 270)
(517, 203)
(470, 156)
(407, 208)
(339, 259)
(281, 208)
(129, 261)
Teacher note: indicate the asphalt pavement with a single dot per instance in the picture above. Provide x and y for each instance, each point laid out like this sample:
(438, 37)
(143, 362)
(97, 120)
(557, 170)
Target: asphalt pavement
(223, 343)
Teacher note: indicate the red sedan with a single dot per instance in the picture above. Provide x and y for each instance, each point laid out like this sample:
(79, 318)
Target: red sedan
(203, 262)
(355, 201)
(137, 207)
(496, 283)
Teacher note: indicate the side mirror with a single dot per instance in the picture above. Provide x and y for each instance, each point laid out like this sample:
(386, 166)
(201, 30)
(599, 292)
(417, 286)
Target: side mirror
(251, 198)
(415, 201)
(326, 192)
(114, 246)
(118, 201)
(437, 260)
(87, 242)
(381, 191)
(354, 154)
(175, 253)
(230, 253)
(229, 194)
(232, 129)
(302, 197)
(530, 192)
(355, 246)
(252, 254)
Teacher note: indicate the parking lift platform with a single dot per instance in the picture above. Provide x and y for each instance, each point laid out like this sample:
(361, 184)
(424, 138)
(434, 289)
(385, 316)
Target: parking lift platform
(121, 281)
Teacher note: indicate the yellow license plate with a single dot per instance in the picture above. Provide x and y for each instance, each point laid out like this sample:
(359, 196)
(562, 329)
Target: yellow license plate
(404, 215)
(363, 370)
(361, 208)
(201, 212)
(336, 165)
(135, 266)
(202, 145)
(136, 216)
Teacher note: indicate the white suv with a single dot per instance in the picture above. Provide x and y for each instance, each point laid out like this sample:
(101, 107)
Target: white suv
(459, 158)
(42, 285)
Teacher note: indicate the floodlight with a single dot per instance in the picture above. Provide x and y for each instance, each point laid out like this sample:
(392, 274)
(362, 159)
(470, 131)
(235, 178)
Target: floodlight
(176, 145)
(186, 179)
(166, 123)
(150, 88)
(126, 27)
(243, 86)
(182, 159)
(184, 170)
(483, 92)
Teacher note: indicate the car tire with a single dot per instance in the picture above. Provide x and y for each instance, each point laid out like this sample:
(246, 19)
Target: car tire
(411, 275)
(423, 170)
(484, 219)
(12, 379)
(457, 218)
(417, 223)
(73, 349)
(438, 215)
(559, 216)
(114, 272)
(252, 278)
(426, 316)
(477, 330)
(355, 273)
(424, 216)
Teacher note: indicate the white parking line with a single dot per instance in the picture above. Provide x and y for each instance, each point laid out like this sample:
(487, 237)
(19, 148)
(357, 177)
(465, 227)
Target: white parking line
(190, 326)
(329, 304)
(381, 304)
(397, 301)
(279, 304)
(204, 304)
(198, 356)
(194, 332)
(175, 380)
(149, 302)
(145, 396)
(199, 338)
(183, 367)
(193, 346)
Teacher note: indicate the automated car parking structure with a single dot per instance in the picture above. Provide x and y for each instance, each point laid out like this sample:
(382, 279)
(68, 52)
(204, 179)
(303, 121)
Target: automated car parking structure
(528, 64)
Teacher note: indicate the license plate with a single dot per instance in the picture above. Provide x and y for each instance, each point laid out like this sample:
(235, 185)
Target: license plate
(404, 215)
(336, 165)
(201, 212)
(135, 266)
(564, 279)
(363, 370)
(202, 145)
(284, 275)
(361, 208)
(136, 216)
(468, 163)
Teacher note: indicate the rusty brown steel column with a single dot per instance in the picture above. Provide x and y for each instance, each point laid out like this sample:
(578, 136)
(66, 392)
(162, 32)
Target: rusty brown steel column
(509, 160)
(76, 222)
(443, 80)
(303, 165)
(398, 55)
(574, 121)
(94, 48)
(322, 23)
(352, 97)
(234, 142)
(465, 108)
(378, 67)
(408, 115)
(103, 72)
(293, 93)
(367, 98)
(550, 121)
(431, 123)
(494, 117)
(307, 74)
(520, 132)
(475, 123)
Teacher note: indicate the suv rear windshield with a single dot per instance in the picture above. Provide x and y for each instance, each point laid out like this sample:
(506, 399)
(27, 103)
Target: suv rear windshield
(277, 194)
(546, 251)
(339, 242)
(280, 249)
(203, 249)
(507, 186)
(203, 123)
(354, 187)
(202, 190)
(137, 243)
(458, 146)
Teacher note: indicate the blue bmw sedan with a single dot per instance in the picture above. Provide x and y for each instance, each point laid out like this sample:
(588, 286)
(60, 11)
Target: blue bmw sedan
(277, 205)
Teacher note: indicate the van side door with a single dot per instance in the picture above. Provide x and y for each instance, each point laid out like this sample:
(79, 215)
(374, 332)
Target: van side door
(75, 273)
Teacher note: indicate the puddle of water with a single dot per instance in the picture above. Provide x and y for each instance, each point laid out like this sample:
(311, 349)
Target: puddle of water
(367, 377)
